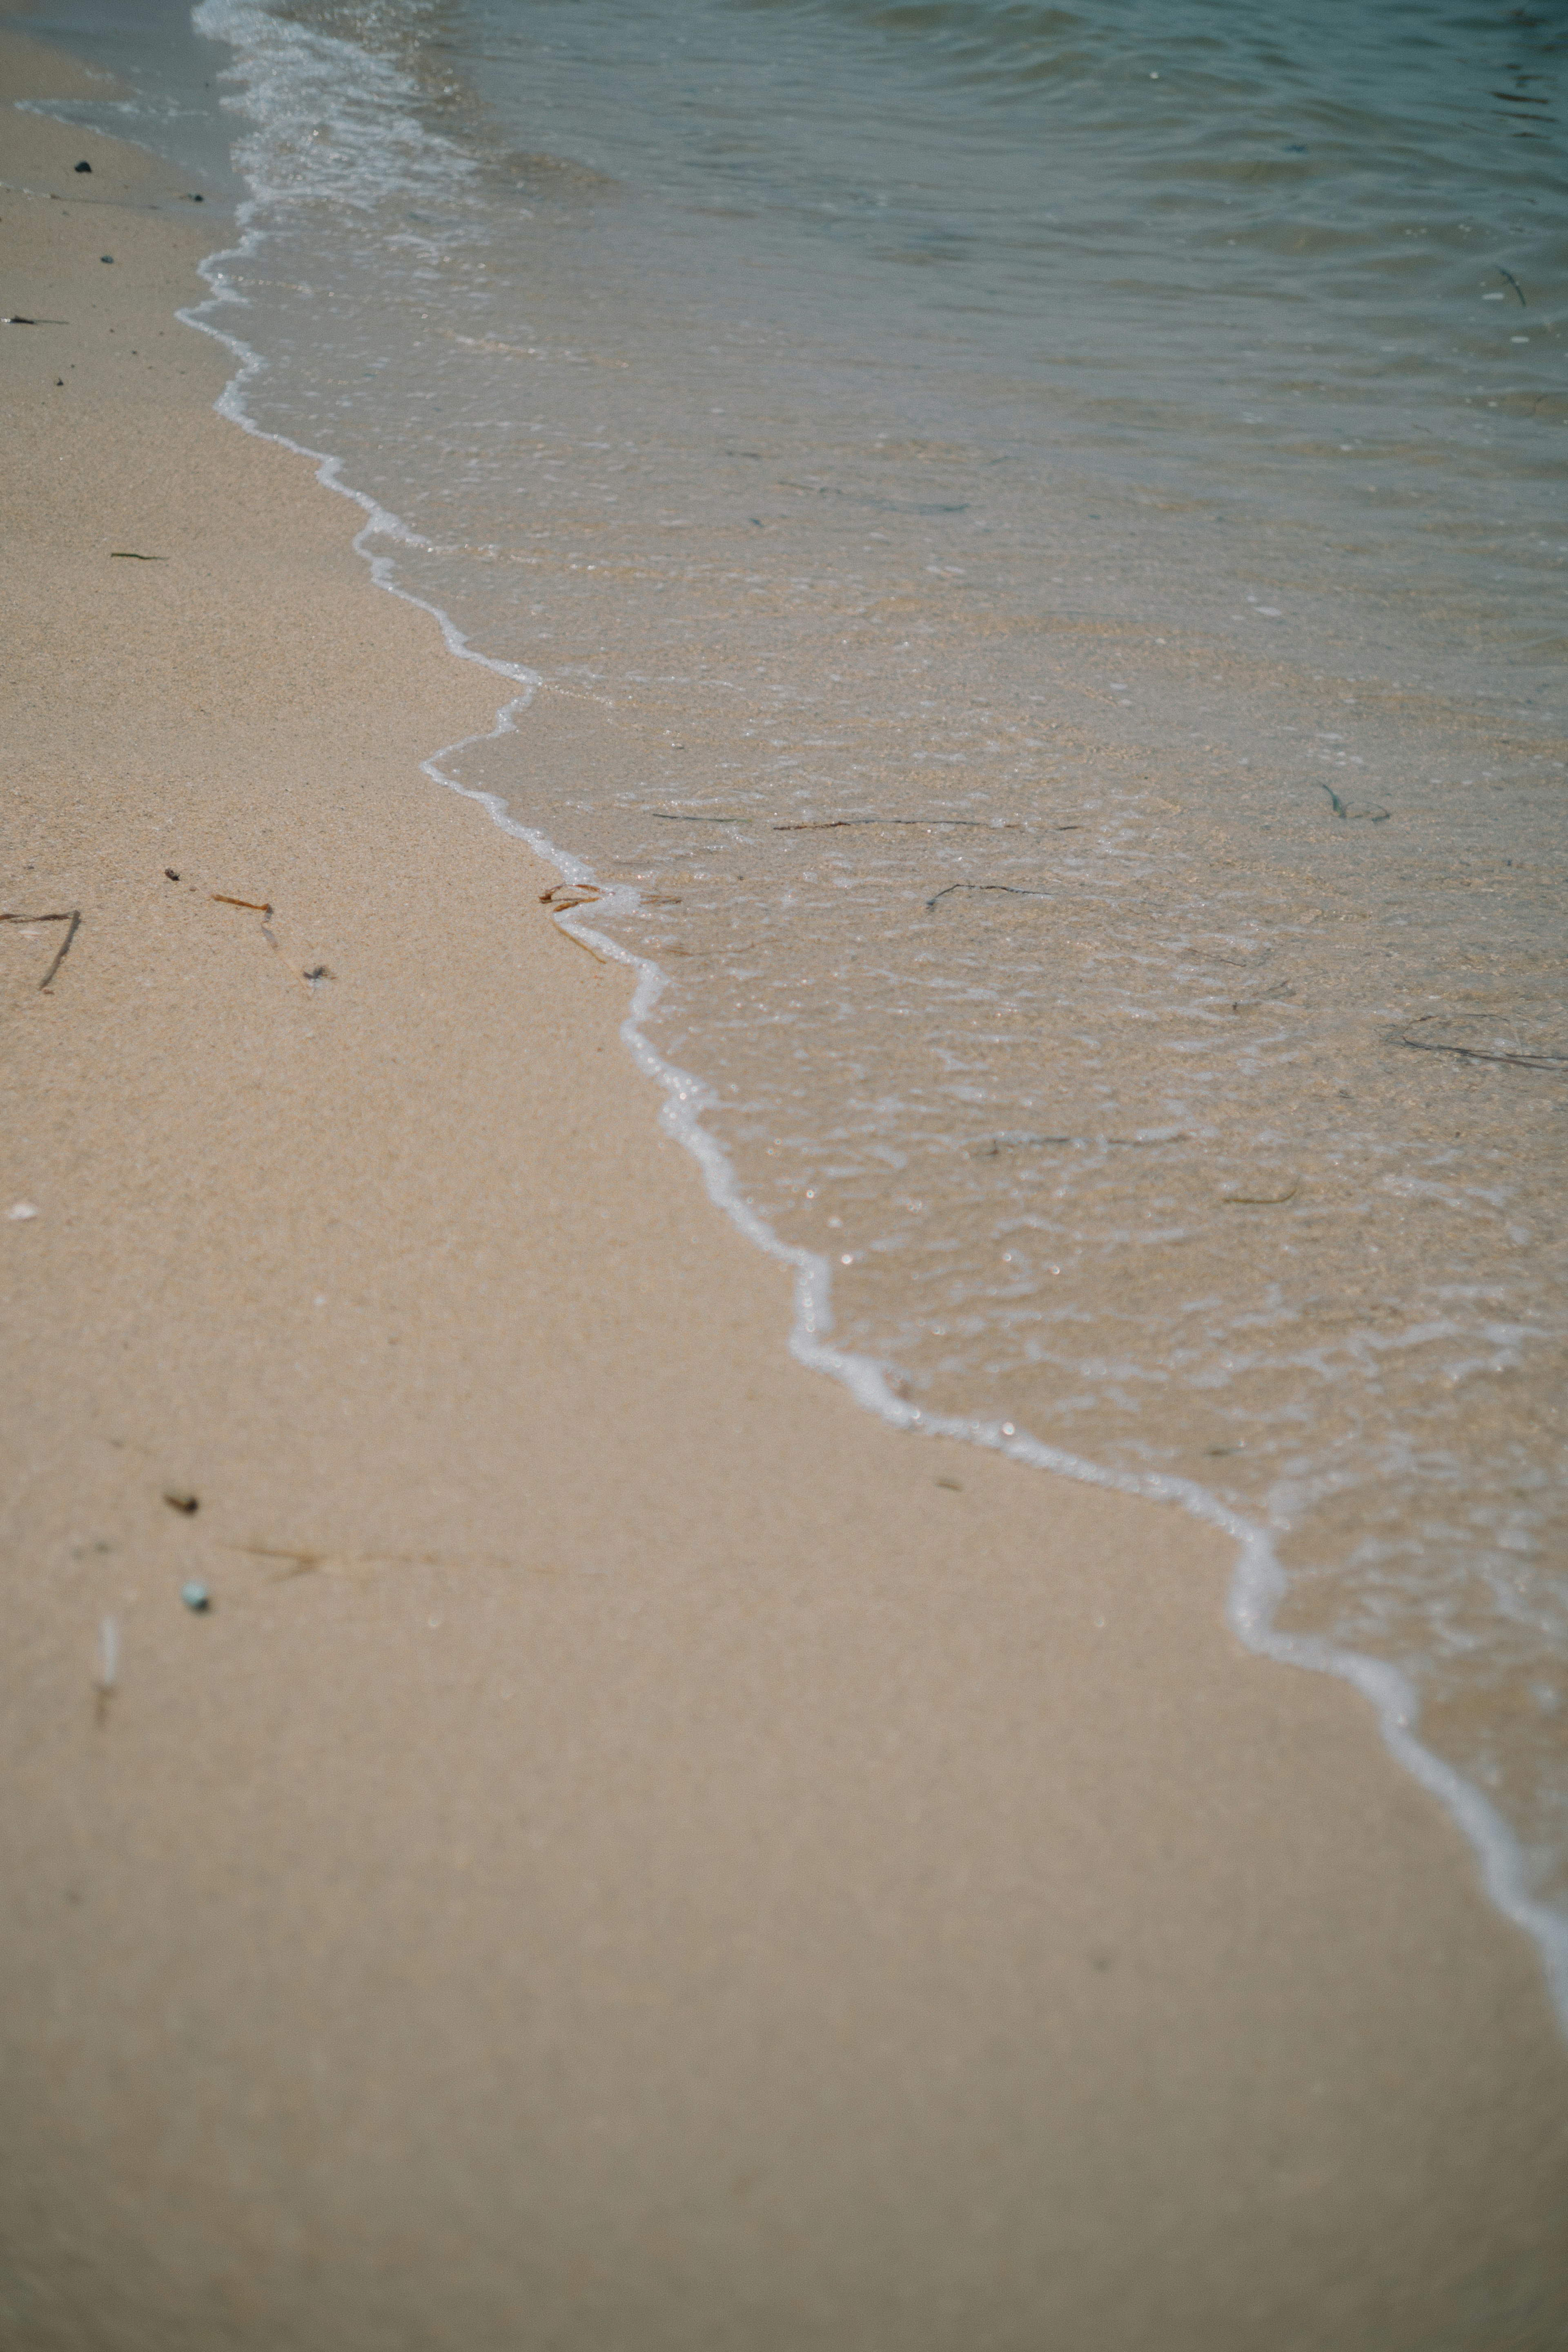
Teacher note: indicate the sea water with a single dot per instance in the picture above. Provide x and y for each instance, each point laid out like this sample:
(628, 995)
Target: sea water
(1058, 512)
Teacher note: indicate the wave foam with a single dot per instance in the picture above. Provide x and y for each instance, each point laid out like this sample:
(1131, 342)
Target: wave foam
(314, 97)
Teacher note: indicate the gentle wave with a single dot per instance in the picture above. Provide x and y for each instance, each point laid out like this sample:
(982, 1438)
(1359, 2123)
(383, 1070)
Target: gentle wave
(863, 1032)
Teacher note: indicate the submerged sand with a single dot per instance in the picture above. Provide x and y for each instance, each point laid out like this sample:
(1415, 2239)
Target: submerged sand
(636, 1853)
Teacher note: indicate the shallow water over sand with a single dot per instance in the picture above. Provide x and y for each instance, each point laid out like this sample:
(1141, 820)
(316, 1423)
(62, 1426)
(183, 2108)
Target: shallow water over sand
(1062, 511)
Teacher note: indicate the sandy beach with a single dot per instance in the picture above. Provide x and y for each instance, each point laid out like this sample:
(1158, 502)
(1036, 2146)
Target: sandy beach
(635, 1854)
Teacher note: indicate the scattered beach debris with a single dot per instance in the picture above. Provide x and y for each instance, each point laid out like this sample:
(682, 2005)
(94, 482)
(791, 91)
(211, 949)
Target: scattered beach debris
(562, 897)
(71, 920)
(952, 1486)
(1343, 810)
(300, 1564)
(1260, 1200)
(1515, 284)
(252, 906)
(180, 1498)
(1270, 999)
(1007, 890)
(106, 256)
(72, 926)
(194, 199)
(1518, 1056)
(671, 816)
(307, 1560)
(196, 1598)
(83, 166)
(17, 320)
(586, 945)
(21, 1212)
(171, 873)
(106, 1678)
(130, 555)
(318, 971)
(978, 823)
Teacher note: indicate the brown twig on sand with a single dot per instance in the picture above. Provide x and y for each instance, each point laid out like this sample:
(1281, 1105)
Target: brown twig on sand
(1520, 1061)
(587, 947)
(73, 920)
(562, 895)
(253, 906)
(835, 823)
(72, 927)
(301, 1562)
(1006, 888)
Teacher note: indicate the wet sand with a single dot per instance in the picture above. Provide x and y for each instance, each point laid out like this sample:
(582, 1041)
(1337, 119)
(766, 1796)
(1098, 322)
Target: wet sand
(636, 1853)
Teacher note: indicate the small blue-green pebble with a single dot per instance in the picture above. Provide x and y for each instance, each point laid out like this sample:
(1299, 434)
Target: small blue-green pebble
(196, 1597)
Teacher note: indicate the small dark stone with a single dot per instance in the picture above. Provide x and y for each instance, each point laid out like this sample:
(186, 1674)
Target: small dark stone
(198, 200)
(180, 1498)
(106, 256)
(84, 167)
(171, 873)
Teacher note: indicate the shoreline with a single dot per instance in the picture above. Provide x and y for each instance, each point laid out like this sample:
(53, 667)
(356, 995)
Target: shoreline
(1059, 2022)
(1256, 1586)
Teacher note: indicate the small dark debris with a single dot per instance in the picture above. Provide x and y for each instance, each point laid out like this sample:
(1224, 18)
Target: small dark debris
(171, 873)
(84, 166)
(73, 924)
(106, 256)
(318, 971)
(130, 555)
(180, 1498)
(198, 200)
(1004, 890)
(951, 1484)
(196, 1598)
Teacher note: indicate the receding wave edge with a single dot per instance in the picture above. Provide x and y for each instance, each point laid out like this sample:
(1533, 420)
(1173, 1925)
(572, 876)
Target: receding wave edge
(1257, 1584)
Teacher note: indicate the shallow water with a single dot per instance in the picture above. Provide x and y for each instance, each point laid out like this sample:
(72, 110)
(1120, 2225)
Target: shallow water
(1061, 508)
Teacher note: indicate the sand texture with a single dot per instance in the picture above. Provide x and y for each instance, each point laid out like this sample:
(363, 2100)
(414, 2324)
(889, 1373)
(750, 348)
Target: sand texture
(637, 1857)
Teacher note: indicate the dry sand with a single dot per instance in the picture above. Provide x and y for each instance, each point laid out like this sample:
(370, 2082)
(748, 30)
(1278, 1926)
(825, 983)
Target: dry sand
(632, 1861)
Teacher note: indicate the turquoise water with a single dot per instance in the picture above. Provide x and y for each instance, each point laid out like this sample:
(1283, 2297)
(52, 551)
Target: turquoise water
(1056, 514)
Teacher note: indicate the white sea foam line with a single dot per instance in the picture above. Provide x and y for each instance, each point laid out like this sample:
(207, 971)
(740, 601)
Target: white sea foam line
(1257, 1584)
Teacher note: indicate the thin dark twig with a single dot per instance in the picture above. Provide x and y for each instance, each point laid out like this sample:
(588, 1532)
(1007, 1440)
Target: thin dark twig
(671, 816)
(832, 824)
(1515, 284)
(71, 930)
(1487, 1054)
(36, 919)
(1006, 887)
